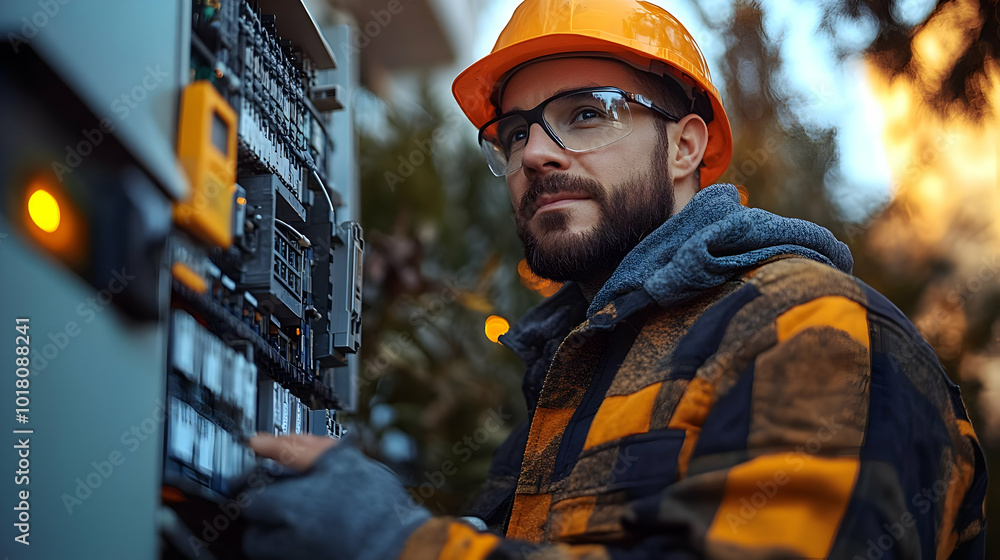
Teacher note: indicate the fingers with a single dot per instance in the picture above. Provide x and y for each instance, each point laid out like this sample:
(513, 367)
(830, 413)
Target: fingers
(297, 452)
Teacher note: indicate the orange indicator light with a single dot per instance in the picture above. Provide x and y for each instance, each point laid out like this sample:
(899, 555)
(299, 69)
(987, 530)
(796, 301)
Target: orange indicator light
(43, 208)
(496, 326)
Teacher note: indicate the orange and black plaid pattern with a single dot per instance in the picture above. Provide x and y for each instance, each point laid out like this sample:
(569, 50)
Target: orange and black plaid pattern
(791, 413)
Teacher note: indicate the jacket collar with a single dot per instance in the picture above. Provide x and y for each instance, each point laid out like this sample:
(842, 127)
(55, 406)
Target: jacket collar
(711, 240)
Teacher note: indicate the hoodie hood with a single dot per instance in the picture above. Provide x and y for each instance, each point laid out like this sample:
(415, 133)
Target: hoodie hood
(714, 238)
(711, 240)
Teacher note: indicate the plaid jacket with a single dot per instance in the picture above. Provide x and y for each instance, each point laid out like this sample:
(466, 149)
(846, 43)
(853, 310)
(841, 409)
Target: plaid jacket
(792, 412)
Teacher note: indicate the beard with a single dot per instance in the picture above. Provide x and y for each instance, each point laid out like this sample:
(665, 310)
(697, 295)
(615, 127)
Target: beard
(627, 213)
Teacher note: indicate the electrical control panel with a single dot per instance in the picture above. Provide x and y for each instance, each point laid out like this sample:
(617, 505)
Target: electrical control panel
(179, 235)
(262, 311)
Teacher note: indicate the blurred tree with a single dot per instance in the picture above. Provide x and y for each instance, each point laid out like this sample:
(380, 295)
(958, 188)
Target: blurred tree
(437, 396)
(782, 161)
(963, 82)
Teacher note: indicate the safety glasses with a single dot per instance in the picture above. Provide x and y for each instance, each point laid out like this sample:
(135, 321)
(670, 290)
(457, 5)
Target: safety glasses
(579, 121)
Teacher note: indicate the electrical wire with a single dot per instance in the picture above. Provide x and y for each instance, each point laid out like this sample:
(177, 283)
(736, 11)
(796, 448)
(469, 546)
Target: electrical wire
(303, 240)
(322, 187)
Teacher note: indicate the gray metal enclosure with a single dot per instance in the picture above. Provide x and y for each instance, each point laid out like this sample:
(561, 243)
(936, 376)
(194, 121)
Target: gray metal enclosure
(97, 383)
(96, 410)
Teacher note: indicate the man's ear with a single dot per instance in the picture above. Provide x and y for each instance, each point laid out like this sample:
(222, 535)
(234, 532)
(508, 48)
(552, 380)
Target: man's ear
(690, 139)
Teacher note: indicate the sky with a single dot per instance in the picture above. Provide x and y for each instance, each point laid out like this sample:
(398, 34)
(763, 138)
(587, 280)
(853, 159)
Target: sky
(835, 93)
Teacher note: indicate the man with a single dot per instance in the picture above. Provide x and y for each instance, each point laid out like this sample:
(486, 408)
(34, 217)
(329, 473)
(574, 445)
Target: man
(710, 382)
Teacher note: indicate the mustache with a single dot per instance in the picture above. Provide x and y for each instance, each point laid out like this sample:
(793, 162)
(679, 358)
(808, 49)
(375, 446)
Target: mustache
(557, 183)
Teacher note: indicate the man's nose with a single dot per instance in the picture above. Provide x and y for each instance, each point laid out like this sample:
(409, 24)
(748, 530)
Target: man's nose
(542, 154)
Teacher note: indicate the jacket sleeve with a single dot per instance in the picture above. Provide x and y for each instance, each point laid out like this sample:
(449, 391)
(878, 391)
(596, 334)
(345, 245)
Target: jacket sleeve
(820, 427)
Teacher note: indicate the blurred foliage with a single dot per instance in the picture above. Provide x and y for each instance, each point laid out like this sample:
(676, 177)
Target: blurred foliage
(428, 369)
(784, 162)
(442, 257)
(964, 83)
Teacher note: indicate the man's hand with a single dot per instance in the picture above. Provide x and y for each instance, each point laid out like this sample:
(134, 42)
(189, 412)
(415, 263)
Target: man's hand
(331, 502)
(298, 452)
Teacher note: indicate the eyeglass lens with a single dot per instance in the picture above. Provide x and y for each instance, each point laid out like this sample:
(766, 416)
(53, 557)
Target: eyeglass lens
(580, 121)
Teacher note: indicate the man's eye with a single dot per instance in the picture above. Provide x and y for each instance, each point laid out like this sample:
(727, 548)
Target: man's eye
(586, 114)
(515, 136)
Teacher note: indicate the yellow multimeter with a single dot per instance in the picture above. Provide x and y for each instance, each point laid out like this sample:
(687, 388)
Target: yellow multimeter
(206, 149)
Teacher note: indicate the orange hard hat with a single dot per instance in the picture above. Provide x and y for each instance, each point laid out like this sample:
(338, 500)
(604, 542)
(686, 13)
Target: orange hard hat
(640, 33)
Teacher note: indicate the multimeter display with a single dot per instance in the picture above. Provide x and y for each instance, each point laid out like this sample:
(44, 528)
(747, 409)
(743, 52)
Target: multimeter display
(220, 134)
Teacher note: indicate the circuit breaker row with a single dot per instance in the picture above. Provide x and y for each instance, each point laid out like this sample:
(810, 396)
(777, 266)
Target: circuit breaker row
(218, 401)
(203, 451)
(276, 103)
(222, 376)
(280, 352)
(266, 79)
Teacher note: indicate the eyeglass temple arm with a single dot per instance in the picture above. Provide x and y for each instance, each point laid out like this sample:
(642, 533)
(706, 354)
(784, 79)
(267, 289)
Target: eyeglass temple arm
(645, 102)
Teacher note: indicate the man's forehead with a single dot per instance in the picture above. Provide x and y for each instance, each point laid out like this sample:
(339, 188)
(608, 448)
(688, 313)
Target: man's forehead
(536, 82)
